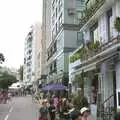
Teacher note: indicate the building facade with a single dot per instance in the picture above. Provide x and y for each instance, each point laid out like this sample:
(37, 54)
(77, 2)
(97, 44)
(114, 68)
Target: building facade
(96, 62)
(64, 18)
(28, 57)
(46, 37)
(32, 60)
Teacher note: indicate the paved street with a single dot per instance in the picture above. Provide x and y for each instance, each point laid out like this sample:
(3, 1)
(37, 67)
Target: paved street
(21, 108)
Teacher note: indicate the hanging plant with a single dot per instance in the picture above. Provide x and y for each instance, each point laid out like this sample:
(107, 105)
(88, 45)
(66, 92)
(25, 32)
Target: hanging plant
(78, 80)
(117, 24)
(83, 52)
(96, 45)
(93, 46)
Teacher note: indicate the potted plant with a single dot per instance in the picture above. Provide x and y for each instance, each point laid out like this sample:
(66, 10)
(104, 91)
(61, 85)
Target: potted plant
(117, 24)
(80, 101)
(93, 46)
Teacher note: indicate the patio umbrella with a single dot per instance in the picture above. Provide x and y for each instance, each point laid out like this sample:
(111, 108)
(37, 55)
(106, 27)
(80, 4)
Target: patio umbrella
(54, 87)
(47, 88)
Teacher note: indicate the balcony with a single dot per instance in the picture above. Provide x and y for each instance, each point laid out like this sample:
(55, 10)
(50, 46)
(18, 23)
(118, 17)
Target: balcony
(52, 50)
(89, 12)
(96, 52)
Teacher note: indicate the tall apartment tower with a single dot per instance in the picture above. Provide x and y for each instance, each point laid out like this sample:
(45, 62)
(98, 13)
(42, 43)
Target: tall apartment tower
(46, 36)
(28, 48)
(61, 22)
(64, 18)
(32, 62)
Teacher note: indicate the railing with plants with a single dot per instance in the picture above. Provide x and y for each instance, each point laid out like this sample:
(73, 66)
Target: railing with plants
(86, 51)
(92, 48)
(89, 12)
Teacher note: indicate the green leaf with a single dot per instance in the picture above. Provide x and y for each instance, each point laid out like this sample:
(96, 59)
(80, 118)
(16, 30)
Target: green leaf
(117, 24)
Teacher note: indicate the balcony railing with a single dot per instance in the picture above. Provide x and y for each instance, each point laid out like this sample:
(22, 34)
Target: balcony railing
(89, 12)
(84, 53)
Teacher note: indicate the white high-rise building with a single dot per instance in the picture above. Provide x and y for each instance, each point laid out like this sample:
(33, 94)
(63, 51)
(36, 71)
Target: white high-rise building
(32, 54)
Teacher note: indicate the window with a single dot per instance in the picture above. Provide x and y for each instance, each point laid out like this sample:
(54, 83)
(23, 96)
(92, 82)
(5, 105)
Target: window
(53, 5)
(56, 27)
(53, 33)
(60, 21)
(55, 65)
(54, 47)
(50, 68)
(29, 70)
(28, 64)
(51, 51)
(28, 76)
(53, 18)
(80, 38)
(94, 32)
(56, 12)
(109, 24)
(79, 14)
(59, 6)
(60, 3)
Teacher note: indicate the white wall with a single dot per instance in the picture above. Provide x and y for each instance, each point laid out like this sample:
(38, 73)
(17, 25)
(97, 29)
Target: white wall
(102, 24)
(102, 27)
(118, 75)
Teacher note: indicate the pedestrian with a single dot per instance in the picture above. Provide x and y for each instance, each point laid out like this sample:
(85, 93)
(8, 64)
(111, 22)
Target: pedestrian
(64, 110)
(55, 99)
(86, 115)
(52, 111)
(43, 112)
(75, 115)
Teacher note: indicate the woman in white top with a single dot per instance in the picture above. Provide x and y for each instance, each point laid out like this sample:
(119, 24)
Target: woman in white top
(86, 115)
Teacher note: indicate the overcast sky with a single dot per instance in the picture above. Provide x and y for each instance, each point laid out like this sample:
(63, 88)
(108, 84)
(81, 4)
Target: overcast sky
(16, 16)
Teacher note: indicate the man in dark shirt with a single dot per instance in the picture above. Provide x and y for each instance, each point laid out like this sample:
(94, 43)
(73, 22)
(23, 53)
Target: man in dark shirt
(52, 111)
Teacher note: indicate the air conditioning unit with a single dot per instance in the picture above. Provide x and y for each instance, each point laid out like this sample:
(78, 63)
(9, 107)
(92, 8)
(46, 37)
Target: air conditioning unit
(71, 11)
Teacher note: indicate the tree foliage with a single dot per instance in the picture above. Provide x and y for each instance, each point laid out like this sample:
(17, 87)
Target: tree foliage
(6, 80)
(117, 24)
(80, 101)
(2, 58)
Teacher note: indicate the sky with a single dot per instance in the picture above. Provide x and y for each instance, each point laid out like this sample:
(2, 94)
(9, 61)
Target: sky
(16, 17)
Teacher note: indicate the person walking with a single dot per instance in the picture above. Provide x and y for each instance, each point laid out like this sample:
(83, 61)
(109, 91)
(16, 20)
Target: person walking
(86, 115)
(55, 99)
(43, 112)
(75, 115)
(52, 111)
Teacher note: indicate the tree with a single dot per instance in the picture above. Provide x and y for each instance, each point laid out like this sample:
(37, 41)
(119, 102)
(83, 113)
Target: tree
(21, 72)
(6, 80)
(80, 101)
(2, 58)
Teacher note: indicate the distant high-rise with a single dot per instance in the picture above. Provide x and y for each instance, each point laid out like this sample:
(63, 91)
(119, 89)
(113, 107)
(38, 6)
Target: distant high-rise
(32, 54)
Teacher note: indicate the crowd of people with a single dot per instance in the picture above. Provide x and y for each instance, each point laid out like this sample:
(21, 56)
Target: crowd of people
(4, 96)
(62, 107)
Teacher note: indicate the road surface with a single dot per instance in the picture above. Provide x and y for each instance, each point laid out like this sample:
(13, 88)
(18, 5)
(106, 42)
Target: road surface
(21, 108)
